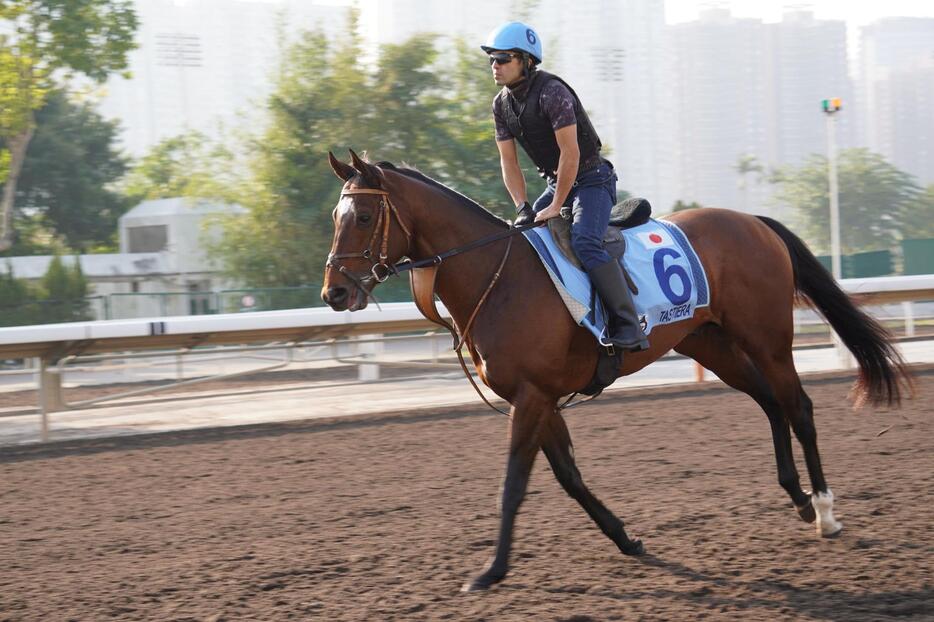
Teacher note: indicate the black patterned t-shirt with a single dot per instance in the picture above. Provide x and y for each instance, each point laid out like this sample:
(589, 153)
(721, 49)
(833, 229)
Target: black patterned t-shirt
(555, 101)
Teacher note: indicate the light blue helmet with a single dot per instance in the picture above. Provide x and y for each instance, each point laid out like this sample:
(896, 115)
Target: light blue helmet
(515, 36)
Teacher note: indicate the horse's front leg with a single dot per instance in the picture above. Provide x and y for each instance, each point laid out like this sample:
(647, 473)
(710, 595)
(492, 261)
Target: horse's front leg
(529, 414)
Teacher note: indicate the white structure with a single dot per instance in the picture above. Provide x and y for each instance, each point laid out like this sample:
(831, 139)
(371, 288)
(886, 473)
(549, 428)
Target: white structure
(201, 63)
(808, 64)
(744, 87)
(162, 252)
(896, 89)
(720, 90)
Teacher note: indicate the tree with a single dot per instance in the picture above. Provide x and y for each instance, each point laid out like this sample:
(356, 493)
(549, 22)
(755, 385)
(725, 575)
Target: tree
(465, 155)
(405, 111)
(681, 206)
(918, 218)
(875, 198)
(746, 164)
(187, 165)
(65, 183)
(320, 102)
(17, 301)
(62, 293)
(41, 41)
(60, 296)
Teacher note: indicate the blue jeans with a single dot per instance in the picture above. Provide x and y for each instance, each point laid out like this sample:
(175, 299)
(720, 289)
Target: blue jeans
(591, 200)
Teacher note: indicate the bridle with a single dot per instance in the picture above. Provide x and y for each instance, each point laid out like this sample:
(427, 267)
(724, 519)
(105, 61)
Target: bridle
(380, 268)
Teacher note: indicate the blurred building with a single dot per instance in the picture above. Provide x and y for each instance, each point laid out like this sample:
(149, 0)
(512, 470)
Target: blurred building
(204, 64)
(720, 88)
(808, 63)
(161, 252)
(747, 89)
(896, 89)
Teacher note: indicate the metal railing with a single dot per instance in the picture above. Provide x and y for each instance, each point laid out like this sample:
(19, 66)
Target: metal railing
(132, 305)
(912, 297)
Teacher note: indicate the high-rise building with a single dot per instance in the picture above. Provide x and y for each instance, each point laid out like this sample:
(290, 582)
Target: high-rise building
(808, 63)
(721, 95)
(750, 90)
(897, 92)
(201, 64)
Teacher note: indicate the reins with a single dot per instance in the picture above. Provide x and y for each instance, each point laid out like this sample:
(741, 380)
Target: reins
(423, 273)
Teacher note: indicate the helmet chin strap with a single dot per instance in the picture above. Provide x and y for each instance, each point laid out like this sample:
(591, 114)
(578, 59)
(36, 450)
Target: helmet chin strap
(526, 72)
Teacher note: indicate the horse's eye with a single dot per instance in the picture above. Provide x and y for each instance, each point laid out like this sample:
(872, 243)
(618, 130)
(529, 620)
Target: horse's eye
(363, 218)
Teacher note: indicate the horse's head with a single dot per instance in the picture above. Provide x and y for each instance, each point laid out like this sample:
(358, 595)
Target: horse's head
(369, 236)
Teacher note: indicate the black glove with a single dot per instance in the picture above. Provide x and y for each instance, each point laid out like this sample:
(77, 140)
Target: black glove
(525, 215)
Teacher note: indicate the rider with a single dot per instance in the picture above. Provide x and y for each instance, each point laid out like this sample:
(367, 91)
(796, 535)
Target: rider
(544, 114)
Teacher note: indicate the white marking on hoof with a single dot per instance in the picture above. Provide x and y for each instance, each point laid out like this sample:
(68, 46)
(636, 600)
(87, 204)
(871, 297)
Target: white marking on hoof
(826, 524)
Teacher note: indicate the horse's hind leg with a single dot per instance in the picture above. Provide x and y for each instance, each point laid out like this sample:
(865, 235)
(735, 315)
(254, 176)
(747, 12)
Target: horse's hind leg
(799, 411)
(785, 401)
(556, 443)
(713, 348)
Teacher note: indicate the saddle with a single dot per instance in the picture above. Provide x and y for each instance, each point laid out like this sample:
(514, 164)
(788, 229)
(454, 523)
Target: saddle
(624, 215)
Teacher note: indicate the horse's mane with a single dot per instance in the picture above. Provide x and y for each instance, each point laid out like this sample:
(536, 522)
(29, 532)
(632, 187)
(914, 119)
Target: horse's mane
(450, 192)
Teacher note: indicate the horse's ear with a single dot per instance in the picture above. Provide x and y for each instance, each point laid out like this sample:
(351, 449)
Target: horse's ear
(343, 171)
(370, 173)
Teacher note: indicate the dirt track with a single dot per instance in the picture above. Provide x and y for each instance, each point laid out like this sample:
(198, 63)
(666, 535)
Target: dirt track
(384, 518)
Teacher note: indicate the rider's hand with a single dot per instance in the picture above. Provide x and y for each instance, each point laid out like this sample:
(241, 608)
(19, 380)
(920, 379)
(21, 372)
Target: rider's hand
(525, 215)
(552, 211)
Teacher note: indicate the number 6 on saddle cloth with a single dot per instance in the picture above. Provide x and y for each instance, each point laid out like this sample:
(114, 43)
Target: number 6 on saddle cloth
(667, 279)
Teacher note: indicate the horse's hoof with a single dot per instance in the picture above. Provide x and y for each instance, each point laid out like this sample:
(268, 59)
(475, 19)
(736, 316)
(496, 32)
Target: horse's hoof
(807, 513)
(831, 531)
(483, 582)
(633, 547)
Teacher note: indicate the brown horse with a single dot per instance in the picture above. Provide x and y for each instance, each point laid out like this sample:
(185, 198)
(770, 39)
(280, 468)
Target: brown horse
(530, 352)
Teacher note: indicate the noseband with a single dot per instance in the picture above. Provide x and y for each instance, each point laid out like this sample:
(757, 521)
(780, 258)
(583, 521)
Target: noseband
(380, 268)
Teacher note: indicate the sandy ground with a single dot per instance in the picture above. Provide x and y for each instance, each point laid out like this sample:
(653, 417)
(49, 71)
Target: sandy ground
(384, 517)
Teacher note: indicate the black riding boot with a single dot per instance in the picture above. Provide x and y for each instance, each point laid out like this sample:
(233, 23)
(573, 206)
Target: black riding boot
(623, 326)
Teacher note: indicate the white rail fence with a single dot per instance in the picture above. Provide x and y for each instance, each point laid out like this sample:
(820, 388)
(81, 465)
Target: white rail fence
(321, 330)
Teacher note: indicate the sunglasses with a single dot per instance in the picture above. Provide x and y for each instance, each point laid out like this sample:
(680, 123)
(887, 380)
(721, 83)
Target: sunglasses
(502, 58)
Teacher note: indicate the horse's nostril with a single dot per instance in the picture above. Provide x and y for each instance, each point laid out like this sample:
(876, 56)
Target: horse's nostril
(335, 295)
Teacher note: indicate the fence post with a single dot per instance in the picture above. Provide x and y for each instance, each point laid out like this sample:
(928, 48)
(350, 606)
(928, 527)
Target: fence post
(908, 310)
(50, 396)
(435, 346)
(845, 360)
(368, 372)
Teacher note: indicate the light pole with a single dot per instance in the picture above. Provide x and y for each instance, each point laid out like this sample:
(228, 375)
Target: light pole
(831, 107)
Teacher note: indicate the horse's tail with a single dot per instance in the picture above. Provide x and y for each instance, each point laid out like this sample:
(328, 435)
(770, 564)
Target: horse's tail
(882, 370)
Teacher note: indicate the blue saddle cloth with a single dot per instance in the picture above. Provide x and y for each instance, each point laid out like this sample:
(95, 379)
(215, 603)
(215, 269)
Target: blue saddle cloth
(671, 281)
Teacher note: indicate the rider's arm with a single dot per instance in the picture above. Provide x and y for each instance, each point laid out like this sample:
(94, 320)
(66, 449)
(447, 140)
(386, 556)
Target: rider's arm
(567, 170)
(512, 173)
(567, 163)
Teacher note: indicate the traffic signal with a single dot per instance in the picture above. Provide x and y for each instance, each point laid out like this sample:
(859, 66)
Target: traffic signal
(832, 105)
